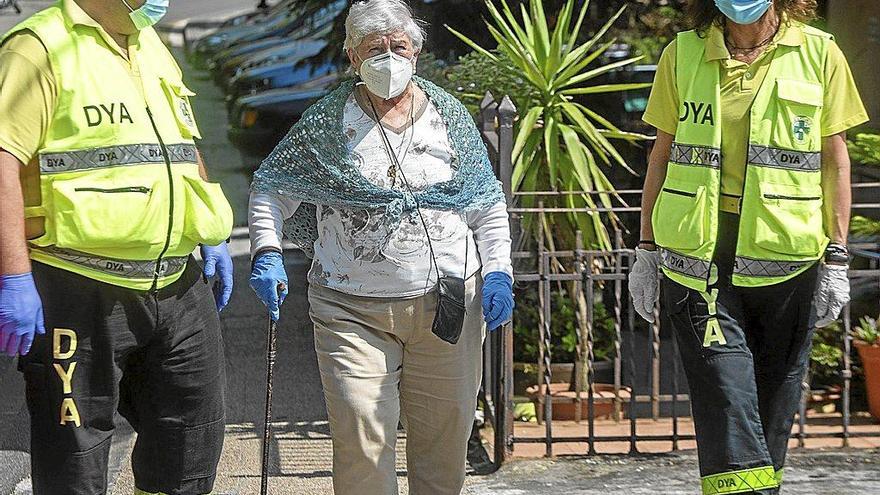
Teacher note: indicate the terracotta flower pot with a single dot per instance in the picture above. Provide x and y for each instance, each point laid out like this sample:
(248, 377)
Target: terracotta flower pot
(870, 355)
(564, 401)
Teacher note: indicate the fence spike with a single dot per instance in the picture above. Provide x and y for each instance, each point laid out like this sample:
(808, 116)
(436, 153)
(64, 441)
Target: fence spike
(507, 110)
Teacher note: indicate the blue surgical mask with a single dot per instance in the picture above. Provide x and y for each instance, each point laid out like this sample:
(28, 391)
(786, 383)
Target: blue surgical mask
(743, 11)
(149, 14)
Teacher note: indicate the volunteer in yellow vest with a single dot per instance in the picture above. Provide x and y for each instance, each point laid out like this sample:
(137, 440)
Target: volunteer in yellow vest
(745, 210)
(103, 198)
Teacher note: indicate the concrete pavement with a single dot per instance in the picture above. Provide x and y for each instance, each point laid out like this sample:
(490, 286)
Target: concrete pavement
(840, 472)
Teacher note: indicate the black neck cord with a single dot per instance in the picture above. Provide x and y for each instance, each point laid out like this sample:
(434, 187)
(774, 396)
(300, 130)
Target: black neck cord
(396, 164)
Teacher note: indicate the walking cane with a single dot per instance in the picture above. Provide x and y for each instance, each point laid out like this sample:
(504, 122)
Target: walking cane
(270, 369)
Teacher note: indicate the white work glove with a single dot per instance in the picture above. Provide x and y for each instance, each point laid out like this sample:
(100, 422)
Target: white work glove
(644, 282)
(832, 293)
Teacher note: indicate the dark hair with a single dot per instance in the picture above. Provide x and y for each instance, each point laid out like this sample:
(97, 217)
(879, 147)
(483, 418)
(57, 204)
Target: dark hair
(703, 13)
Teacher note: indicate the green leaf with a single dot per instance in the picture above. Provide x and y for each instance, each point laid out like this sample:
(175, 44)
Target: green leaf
(599, 34)
(630, 137)
(575, 31)
(583, 49)
(529, 181)
(472, 44)
(577, 61)
(508, 19)
(586, 128)
(578, 157)
(512, 31)
(521, 60)
(551, 147)
(865, 226)
(527, 160)
(606, 88)
(526, 127)
(542, 32)
(586, 76)
(557, 39)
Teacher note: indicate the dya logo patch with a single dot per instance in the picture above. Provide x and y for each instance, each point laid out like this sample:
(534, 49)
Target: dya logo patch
(801, 128)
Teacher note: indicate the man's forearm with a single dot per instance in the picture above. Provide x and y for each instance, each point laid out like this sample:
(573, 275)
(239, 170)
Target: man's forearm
(203, 171)
(654, 181)
(836, 187)
(13, 244)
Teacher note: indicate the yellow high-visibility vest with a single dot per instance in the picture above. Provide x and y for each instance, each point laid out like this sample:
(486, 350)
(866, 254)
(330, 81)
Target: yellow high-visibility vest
(122, 199)
(781, 221)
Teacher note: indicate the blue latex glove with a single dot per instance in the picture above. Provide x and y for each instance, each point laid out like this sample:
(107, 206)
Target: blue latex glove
(217, 261)
(268, 273)
(21, 313)
(497, 299)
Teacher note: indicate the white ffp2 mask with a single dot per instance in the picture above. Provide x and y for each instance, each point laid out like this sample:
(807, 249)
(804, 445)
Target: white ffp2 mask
(387, 75)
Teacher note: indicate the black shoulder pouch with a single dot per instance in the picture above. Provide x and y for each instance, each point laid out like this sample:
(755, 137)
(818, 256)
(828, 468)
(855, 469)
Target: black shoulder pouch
(449, 319)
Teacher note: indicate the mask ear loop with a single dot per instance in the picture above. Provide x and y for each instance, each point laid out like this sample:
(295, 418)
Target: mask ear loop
(127, 5)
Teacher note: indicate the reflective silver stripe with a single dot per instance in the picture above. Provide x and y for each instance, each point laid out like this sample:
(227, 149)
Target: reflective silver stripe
(119, 268)
(701, 156)
(115, 156)
(786, 159)
(685, 265)
(766, 268)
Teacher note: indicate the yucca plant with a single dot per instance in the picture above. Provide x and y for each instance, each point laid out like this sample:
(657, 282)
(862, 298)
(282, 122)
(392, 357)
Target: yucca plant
(561, 145)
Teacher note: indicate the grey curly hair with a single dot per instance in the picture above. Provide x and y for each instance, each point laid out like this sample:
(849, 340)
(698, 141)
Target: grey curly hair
(368, 17)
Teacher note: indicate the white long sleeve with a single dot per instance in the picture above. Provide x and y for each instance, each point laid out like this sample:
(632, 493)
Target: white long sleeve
(266, 216)
(362, 252)
(491, 228)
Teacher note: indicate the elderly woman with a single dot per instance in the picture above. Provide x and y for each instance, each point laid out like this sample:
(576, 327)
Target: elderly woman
(387, 184)
(746, 208)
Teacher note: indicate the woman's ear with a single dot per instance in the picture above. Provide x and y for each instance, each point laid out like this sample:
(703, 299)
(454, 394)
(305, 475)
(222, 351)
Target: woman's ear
(352, 58)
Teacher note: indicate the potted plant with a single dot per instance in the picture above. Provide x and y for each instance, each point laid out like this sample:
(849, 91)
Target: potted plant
(867, 341)
(824, 372)
(563, 350)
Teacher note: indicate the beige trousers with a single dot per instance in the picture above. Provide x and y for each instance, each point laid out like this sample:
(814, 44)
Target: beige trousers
(381, 364)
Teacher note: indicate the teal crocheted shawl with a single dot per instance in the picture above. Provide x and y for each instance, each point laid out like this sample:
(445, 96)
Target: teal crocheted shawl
(312, 164)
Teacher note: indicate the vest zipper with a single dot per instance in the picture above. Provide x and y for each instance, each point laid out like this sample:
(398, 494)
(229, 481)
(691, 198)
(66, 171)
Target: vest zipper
(792, 198)
(142, 190)
(680, 193)
(154, 288)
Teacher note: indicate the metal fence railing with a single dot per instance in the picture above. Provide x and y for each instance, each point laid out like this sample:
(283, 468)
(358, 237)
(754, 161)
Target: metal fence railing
(646, 379)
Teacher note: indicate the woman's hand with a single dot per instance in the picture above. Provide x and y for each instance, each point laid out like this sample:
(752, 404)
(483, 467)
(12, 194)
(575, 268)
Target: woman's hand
(269, 281)
(644, 283)
(497, 299)
(832, 293)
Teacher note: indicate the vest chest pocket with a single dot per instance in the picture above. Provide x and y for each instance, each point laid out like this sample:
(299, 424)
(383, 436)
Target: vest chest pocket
(789, 220)
(178, 97)
(94, 214)
(679, 216)
(798, 120)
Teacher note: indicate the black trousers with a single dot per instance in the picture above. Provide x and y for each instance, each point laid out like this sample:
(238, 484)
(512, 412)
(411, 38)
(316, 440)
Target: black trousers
(157, 358)
(744, 372)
